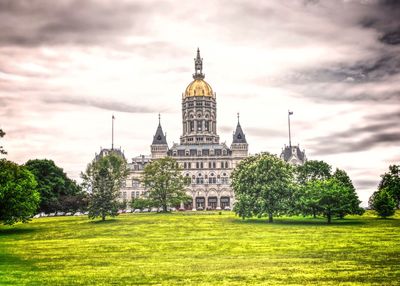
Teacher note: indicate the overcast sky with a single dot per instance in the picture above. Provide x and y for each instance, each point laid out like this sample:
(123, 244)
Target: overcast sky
(67, 66)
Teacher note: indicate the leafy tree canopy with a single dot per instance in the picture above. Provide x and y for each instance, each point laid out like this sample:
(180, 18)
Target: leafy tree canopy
(382, 203)
(2, 133)
(353, 203)
(332, 197)
(263, 185)
(53, 184)
(18, 196)
(165, 183)
(391, 182)
(104, 177)
(313, 170)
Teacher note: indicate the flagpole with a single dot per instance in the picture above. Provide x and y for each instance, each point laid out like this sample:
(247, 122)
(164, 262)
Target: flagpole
(112, 133)
(290, 138)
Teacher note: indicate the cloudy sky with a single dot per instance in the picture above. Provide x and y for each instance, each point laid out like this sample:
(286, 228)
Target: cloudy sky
(67, 66)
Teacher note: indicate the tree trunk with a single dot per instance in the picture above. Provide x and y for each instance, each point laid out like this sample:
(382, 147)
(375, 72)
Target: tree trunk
(329, 216)
(164, 208)
(270, 218)
(103, 217)
(314, 213)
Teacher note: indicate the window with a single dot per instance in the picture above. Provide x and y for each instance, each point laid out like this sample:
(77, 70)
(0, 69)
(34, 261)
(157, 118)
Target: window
(191, 125)
(193, 152)
(207, 125)
(135, 184)
(205, 152)
(132, 195)
(124, 195)
(199, 125)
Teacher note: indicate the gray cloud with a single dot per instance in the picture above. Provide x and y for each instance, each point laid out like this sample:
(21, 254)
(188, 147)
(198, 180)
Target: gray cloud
(379, 130)
(33, 23)
(100, 103)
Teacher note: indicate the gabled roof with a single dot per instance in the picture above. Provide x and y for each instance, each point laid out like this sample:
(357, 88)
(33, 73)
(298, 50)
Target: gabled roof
(238, 136)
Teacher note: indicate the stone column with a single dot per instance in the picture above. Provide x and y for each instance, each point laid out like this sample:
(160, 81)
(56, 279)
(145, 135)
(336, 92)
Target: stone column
(206, 201)
(194, 202)
(218, 202)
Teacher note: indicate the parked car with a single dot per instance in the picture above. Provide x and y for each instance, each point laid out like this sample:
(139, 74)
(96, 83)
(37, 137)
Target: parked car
(60, 213)
(145, 210)
(137, 211)
(77, 214)
(227, 208)
(68, 214)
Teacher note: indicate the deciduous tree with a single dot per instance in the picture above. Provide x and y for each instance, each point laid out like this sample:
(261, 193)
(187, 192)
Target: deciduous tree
(165, 183)
(263, 185)
(391, 182)
(104, 177)
(331, 196)
(313, 170)
(382, 203)
(18, 196)
(353, 203)
(54, 186)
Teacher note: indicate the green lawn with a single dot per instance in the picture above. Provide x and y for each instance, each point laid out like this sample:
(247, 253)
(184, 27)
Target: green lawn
(200, 249)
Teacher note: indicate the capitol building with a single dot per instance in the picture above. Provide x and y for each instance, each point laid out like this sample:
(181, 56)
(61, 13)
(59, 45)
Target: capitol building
(207, 162)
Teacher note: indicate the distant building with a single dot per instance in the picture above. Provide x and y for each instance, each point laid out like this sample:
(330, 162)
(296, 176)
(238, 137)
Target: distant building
(293, 155)
(207, 162)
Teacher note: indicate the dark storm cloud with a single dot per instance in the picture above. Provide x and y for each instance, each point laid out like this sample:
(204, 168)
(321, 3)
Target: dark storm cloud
(102, 104)
(380, 130)
(29, 23)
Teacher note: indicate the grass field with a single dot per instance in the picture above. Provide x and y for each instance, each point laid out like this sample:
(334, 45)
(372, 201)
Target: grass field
(200, 249)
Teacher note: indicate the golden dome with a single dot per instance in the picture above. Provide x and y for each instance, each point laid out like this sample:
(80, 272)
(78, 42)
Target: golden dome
(199, 87)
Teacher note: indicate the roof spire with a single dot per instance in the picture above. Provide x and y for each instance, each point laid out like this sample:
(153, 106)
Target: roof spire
(238, 135)
(198, 66)
(160, 136)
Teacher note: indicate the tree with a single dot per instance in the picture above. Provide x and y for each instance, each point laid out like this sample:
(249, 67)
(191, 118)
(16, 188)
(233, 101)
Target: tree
(165, 183)
(18, 196)
(54, 186)
(353, 203)
(313, 170)
(391, 182)
(104, 177)
(140, 203)
(263, 185)
(331, 196)
(2, 133)
(383, 203)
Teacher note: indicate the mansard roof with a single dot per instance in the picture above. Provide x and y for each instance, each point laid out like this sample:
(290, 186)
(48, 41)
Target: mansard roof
(287, 153)
(239, 136)
(159, 138)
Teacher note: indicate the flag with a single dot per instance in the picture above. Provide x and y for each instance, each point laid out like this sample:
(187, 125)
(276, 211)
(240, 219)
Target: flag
(290, 112)
(113, 117)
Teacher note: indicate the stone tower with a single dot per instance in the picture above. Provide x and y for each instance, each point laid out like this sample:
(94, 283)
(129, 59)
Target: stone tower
(199, 110)
(159, 147)
(239, 145)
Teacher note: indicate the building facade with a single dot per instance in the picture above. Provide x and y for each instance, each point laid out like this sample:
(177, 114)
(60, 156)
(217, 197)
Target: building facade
(206, 161)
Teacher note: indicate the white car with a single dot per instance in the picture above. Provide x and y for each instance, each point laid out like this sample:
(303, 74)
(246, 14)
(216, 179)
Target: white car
(36, 216)
(68, 214)
(154, 210)
(77, 214)
(137, 211)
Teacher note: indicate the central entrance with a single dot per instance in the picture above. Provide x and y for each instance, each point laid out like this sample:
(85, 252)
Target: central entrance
(200, 203)
(225, 202)
(212, 203)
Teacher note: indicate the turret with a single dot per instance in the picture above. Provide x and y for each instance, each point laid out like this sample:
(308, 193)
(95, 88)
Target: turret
(159, 147)
(239, 145)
